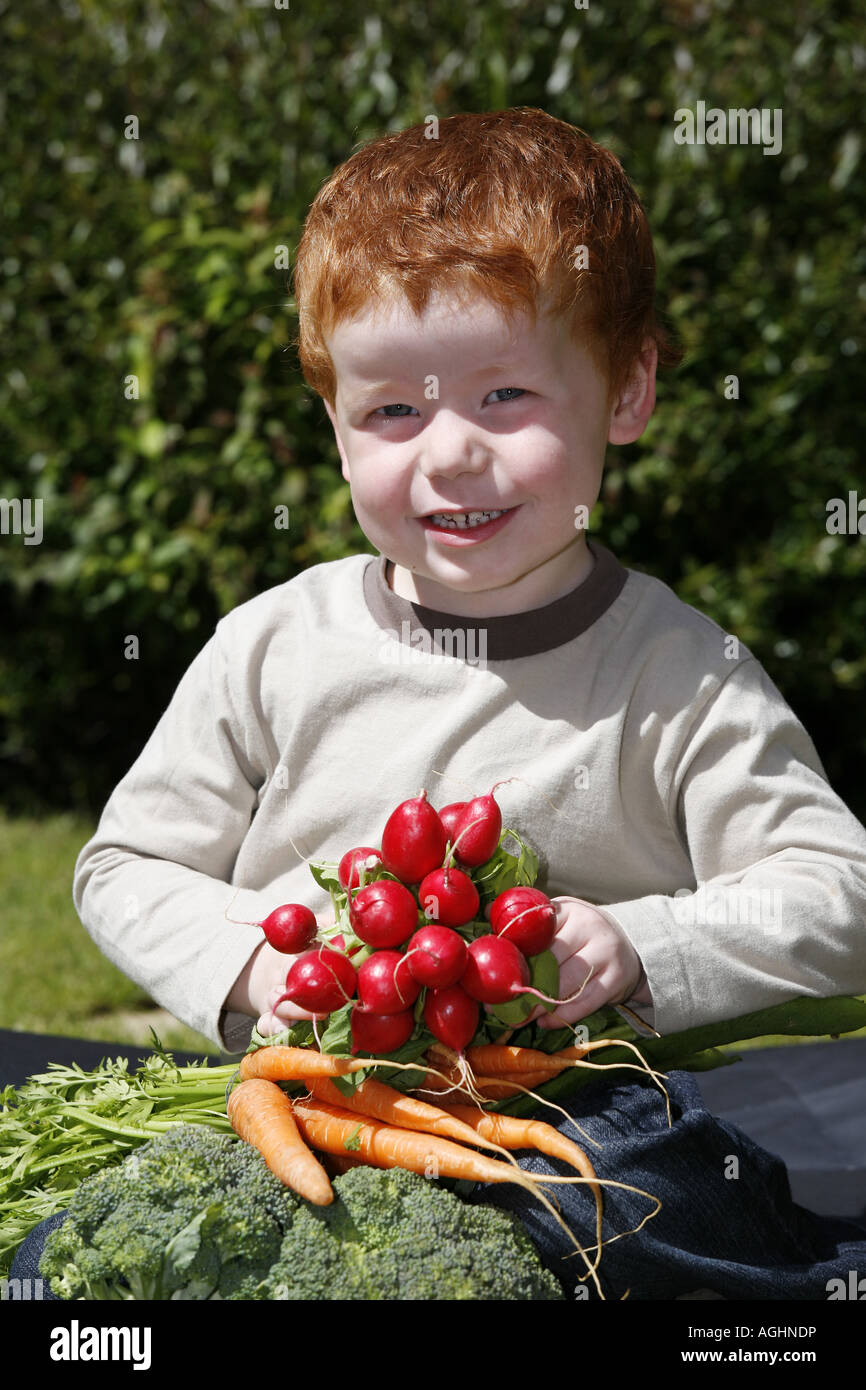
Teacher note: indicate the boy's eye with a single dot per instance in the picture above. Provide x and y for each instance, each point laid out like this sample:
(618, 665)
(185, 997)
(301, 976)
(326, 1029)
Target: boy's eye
(387, 409)
(508, 393)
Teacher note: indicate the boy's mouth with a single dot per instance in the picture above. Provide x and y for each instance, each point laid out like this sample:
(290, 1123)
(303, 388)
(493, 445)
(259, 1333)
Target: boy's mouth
(473, 525)
(462, 521)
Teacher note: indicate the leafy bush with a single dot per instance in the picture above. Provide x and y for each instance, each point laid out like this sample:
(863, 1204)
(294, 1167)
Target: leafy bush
(166, 259)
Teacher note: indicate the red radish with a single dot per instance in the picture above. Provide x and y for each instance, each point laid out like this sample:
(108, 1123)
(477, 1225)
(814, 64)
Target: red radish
(320, 981)
(451, 1016)
(384, 913)
(380, 1033)
(495, 971)
(386, 985)
(450, 817)
(437, 956)
(290, 928)
(449, 896)
(414, 840)
(478, 831)
(352, 863)
(526, 917)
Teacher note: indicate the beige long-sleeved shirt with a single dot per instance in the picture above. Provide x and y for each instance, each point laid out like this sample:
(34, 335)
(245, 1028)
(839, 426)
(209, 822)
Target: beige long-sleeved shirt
(665, 780)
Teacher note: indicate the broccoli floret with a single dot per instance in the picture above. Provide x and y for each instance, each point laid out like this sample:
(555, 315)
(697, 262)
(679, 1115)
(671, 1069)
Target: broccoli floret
(191, 1214)
(395, 1235)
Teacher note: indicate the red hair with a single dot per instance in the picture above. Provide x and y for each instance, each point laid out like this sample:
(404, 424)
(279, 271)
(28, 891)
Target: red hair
(501, 203)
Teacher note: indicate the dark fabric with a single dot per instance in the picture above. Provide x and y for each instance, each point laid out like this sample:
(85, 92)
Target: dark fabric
(27, 1256)
(27, 1054)
(740, 1236)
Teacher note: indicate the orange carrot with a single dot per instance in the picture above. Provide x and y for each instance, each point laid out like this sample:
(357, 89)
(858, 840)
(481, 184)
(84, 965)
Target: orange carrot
(497, 1059)
(296, 1064)
(261, 1114)
(392, 1107)
(489, 1087)
(494, 1060)
(329, 1127)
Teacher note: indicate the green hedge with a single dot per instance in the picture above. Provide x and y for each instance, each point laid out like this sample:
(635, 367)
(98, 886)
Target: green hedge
(158, 258)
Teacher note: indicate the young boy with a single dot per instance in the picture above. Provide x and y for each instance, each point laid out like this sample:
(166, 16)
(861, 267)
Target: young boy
(476, 310)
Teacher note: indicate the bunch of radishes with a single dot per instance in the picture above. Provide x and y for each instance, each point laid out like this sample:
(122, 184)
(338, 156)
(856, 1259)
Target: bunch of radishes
(416, 913)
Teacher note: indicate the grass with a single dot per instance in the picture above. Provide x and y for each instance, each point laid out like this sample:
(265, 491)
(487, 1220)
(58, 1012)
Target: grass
(53, 979)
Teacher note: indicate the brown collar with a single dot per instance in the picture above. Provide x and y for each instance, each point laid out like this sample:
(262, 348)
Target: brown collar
(504, 638)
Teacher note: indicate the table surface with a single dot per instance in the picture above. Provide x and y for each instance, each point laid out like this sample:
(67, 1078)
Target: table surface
(806, 1103)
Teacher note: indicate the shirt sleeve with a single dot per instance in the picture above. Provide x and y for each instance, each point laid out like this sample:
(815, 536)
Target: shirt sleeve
(153, 885)
(778, 905)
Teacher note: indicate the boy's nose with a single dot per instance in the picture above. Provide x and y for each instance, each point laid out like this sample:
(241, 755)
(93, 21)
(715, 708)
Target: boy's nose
(451, 447)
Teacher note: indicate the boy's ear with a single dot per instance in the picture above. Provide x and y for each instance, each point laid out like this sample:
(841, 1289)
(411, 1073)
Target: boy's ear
(631, 411)
(343, 459)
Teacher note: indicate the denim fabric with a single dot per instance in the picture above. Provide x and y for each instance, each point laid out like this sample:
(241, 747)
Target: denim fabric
(739, 1237)
(26, 1262)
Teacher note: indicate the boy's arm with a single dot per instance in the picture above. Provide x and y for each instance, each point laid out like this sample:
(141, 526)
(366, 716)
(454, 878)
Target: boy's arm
(153, 885)
(780, 866)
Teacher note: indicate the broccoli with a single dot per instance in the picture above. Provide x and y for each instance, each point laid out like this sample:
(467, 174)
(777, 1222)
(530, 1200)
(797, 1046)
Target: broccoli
(396, 1235)
(191, 1214)
(198, 1215)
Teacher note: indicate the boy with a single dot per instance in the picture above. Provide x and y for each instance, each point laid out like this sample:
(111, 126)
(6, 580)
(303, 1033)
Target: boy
(476, 311)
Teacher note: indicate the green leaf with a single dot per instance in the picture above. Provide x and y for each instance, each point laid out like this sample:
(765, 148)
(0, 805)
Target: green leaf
(354, 1140)
(544, 976)
(505, 870)
(326, 876)
(409, 1052)
(336, 1040)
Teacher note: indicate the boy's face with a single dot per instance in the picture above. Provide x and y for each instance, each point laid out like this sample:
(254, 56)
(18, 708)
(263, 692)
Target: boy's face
(463, 411)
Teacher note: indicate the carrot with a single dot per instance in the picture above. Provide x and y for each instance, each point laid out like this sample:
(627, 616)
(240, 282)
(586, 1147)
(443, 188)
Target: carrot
(511, 1133)
(328, 1127)
(448, 1080)
(450, 1076)
(339, 1131)
(487, 1087)
(261, 1114)
(381, 1102)
(296, 1064)
(497, 1059)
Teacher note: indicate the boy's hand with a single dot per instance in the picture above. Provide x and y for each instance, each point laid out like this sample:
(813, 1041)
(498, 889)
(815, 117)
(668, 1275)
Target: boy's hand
(260, 984)
(586, 941)
(278, 1016)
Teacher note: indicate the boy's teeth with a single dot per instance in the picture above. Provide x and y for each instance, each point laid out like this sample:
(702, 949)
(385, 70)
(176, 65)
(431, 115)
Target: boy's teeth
(463, 521)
